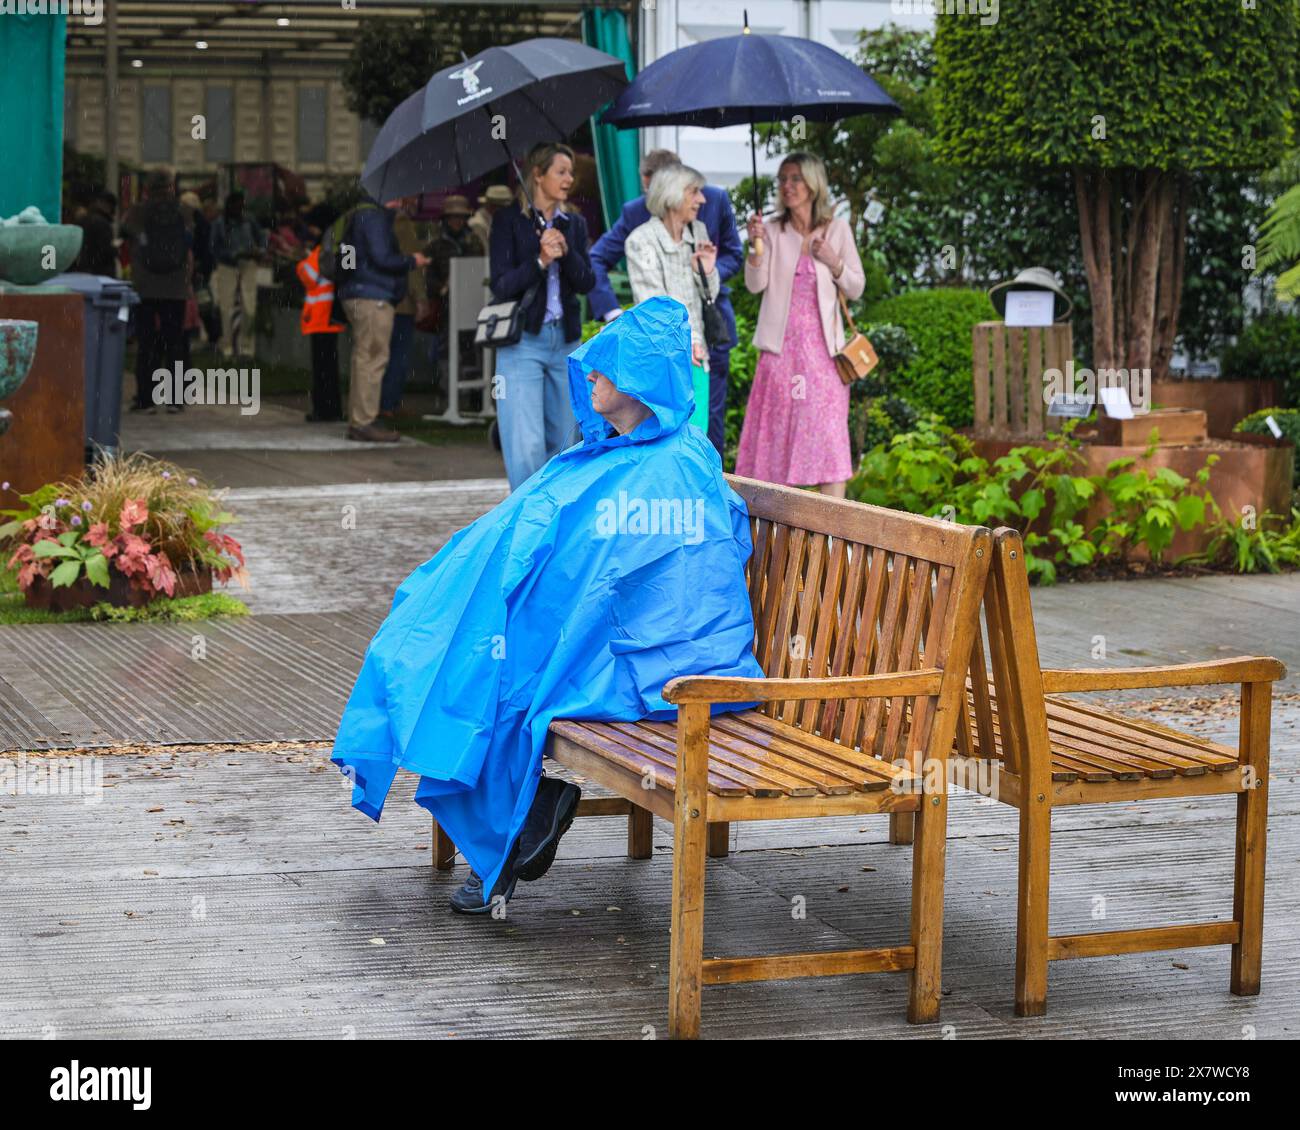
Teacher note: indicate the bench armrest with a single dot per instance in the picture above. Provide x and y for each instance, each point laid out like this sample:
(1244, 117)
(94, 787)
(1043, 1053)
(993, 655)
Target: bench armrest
(1241, 669)
(710, 688)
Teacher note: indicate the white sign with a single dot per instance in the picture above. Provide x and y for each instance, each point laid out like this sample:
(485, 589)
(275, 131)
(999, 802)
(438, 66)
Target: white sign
(1029, 307)
(1116, 402)
(1272, 427)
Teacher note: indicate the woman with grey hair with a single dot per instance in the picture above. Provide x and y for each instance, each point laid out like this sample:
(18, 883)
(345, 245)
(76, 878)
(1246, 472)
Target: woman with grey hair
(665, 256)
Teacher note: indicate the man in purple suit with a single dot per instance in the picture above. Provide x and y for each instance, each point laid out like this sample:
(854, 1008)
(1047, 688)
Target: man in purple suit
(717, 216)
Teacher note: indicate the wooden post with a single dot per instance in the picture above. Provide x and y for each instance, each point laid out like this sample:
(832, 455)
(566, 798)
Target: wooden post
(690, 824)
(640, 833)
(719, 835)
(1252, 829)
(444, 851)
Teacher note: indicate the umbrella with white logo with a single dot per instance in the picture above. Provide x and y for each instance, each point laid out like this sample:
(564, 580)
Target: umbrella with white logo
(475, 115)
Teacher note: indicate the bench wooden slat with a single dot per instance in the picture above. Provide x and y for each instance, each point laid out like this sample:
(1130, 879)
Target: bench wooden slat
(886, 643)
(769, 775)
(828, 619)
(859, 771)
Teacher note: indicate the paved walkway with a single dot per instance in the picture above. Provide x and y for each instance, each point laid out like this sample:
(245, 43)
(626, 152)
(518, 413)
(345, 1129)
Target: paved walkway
(229, 891)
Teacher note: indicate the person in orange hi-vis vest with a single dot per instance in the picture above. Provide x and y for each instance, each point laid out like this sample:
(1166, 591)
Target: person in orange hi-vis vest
(317, 307)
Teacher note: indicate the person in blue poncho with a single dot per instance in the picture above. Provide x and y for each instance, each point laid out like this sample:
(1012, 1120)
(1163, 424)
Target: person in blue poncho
(616, 567)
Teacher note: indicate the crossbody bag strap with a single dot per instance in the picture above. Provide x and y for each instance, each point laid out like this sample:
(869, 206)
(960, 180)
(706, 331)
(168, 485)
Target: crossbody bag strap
(844, 306)
(704, 279)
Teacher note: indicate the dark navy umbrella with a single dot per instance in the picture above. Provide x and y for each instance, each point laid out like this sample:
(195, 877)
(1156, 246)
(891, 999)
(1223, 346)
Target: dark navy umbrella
(748, 78)
(473, 116)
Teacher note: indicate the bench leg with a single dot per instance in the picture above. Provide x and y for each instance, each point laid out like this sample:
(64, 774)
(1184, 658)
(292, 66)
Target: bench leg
(690, 835)
(640, 833)
(719, 837)
(1252, 830)
(927, 908)
(1031, 906)
(901, 827)
(444, 851)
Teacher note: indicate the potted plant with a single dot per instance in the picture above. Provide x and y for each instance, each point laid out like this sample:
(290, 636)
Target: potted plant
(132, 530)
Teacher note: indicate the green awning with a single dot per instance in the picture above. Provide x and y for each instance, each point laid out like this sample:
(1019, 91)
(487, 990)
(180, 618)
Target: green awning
(31, 124)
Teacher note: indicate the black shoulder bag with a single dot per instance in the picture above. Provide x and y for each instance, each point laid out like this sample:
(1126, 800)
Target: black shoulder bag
(716, 332)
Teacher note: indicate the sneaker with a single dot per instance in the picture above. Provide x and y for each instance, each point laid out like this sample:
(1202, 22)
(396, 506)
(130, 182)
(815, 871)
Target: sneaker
(554, 808)
(371, 433)
(468, 899)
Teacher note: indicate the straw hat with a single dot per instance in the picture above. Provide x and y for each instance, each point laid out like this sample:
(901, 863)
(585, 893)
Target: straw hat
(499, 194)
(456, 206)
(1032, 278)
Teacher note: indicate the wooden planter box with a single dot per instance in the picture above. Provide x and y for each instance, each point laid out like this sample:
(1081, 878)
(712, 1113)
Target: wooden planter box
(1252, 471)
(119, 593)
(1225, 403)
(1175, 427)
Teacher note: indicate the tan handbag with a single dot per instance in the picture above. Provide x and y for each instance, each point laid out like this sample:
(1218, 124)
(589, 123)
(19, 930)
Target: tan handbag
(857, 358)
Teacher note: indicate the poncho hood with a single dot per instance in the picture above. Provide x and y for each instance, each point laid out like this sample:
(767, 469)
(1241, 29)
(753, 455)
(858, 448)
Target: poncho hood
(646, 353)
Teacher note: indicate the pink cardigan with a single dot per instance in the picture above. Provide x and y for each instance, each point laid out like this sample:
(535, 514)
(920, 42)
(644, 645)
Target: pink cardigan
(773, 276)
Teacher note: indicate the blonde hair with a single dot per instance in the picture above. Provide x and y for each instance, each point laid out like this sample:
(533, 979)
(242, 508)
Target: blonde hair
(669, 186)
(539, 160)
(813, 172)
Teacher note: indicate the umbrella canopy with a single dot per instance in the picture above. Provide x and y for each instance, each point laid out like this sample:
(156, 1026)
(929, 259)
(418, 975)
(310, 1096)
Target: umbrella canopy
(747, 78)
(742, 79)
(473, 116)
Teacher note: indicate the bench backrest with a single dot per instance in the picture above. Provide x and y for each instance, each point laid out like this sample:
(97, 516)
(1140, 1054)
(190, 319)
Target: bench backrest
(1011, 665)
(840, 588)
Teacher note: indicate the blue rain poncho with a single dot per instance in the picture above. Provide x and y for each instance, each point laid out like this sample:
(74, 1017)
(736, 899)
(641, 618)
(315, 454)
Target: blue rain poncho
(614, 568)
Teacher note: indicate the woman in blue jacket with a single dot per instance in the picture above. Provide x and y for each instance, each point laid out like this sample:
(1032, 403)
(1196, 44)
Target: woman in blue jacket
(539, 255)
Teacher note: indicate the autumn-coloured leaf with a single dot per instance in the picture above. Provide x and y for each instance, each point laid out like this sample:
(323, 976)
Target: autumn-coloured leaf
(97, 534)
(134, 512)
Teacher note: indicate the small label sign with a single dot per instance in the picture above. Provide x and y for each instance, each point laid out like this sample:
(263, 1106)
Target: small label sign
(1075, 407)
(1116, 402)
(1272, 427)
(1029, 308)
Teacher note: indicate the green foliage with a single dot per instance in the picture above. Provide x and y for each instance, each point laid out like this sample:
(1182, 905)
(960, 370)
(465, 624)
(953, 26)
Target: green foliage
(1269, 546)
(938, 324)
(1149, 507)
(184, 608)
(393, 57)
(740, 379)
(1180, 85)
(1268, 349)
(73, 555)
(1279, 243)
(1038, 491)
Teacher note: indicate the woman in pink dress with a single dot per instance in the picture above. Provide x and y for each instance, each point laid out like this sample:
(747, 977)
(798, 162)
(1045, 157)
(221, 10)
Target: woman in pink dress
(796, 429)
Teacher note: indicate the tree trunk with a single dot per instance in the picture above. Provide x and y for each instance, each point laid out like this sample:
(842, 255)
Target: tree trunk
(1132, 227)
(1092, 190)
(1169, 282)
(1149, 228)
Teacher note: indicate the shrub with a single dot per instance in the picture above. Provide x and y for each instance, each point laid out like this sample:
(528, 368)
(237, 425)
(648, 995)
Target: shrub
(938, 322)
(1288, 419)
(1035, 489)
(1268, 546)
(1268, 348)
(740, 379)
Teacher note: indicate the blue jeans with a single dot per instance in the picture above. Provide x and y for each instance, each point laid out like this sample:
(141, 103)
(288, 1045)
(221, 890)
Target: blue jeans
(534, 410)
(399, 362)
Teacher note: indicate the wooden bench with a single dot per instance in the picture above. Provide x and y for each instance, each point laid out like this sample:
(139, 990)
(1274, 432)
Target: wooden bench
(864, 622)
(1049, 751)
